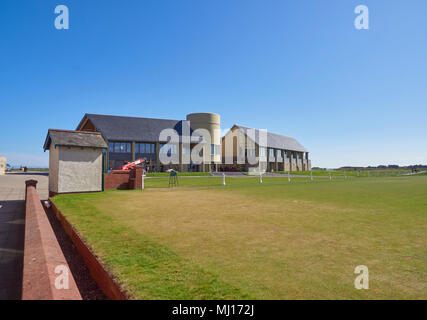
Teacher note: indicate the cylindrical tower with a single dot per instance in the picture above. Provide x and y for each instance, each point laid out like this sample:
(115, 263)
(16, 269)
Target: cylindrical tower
(212, 123)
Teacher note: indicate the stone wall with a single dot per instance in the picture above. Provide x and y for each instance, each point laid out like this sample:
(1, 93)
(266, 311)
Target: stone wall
(80, 170)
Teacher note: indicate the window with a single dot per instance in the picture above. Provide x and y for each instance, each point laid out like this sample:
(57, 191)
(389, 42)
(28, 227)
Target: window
(120, 147)
(145, 148)
(214, 149)
(126, 147)
(262, 152)
(271, 153)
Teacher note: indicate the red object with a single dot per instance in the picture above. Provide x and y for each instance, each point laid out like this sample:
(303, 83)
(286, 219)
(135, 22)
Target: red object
(130, 165)
(124, 179)
(42, 255)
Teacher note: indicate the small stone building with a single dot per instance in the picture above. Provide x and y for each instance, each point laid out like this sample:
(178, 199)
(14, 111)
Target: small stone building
(75, 161)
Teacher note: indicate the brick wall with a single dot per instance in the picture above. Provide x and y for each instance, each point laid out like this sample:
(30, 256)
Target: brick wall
(44, 262)
(123, 179)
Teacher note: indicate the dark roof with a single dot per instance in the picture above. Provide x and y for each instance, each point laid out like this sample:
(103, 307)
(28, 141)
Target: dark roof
(277, 141)
(120, 128)
(74, 139)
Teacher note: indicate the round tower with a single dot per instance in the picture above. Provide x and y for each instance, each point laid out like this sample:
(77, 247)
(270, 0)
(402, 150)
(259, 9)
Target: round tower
(212, 123)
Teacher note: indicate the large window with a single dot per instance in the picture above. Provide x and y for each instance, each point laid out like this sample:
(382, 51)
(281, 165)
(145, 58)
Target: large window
(262, 152)
(145, 148)
(271, 153)
(120, 147)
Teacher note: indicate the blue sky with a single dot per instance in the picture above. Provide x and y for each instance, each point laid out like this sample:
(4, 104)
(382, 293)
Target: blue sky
(299, 68)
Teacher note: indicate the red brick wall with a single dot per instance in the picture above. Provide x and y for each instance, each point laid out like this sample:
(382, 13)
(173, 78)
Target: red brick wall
(122, 179)
(116, 179)
(42, 255)
(135, 178)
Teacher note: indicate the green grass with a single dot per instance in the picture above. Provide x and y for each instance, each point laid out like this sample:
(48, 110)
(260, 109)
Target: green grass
(350, 173)
(278, 240)
(167, 174)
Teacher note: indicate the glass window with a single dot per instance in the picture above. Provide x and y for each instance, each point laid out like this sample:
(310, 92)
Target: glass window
(121, 147)
(163, 149)
(262, 151)
(168, 149)
(271, 153)
(116, 147)
(213, 149)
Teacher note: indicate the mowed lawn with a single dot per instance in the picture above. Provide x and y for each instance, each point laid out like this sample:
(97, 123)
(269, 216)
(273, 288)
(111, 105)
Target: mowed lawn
(278, 240)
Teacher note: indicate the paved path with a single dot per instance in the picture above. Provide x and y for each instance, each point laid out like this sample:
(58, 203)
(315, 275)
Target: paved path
(12, 229)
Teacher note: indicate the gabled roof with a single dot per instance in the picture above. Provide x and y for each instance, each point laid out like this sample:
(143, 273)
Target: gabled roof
(74, 139)
(275, 140)
(120, 128)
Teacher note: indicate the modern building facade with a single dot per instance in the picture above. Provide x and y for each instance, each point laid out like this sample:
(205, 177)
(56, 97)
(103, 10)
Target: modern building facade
(274, 152)
(131, 138)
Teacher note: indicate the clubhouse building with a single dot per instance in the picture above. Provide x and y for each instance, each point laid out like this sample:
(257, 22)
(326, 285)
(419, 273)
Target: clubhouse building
(240, 149)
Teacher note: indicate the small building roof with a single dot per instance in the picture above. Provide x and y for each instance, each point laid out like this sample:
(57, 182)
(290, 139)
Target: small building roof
(121, 128)
(74, 139)
(275, 140)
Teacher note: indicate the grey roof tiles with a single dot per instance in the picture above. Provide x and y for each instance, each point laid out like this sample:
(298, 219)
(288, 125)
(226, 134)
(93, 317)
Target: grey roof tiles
(74, 139)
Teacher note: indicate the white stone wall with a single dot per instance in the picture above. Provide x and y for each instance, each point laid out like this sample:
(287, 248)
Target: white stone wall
(80, 169)
(53, 168)
(2, 165)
